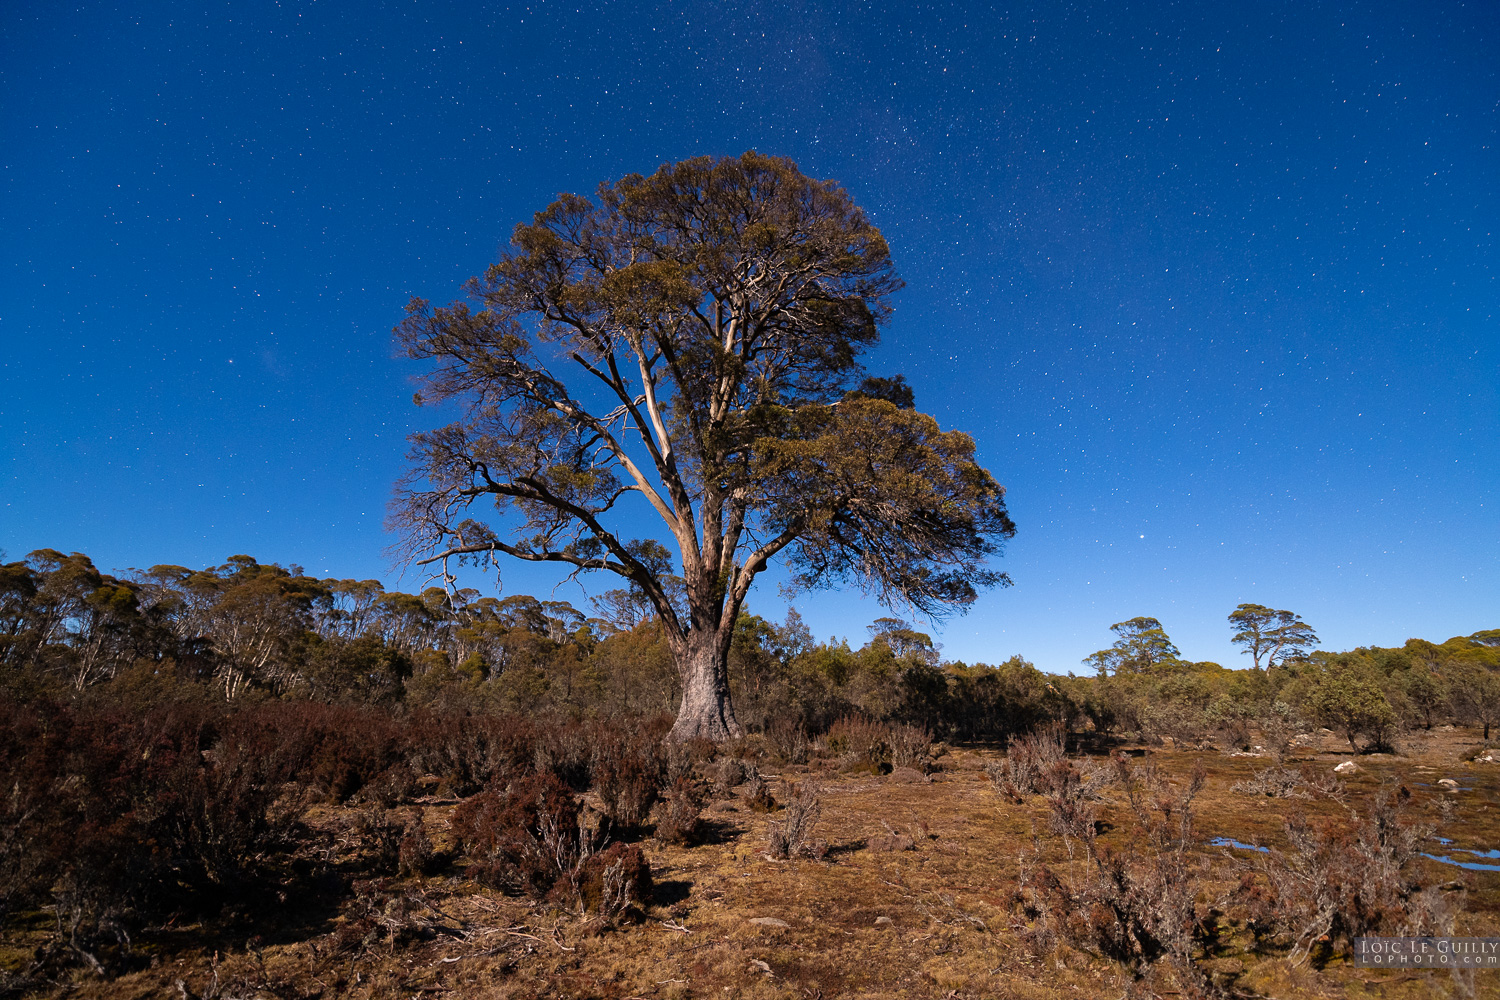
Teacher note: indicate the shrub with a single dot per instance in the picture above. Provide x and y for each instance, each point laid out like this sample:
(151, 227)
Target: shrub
(415, 855)
(611, 882)
(730, 774)
(1281, 782)
(1137, 905)
(858, 742)
(566, 750)
(792, 834)
(1341, 880)
(628, 771)
(33, 745)
(909, 746)
(757, 793)
(678, 821)
(788, 738)
(523, 839)
(1026, 769)
(469, 752)
(378, 833)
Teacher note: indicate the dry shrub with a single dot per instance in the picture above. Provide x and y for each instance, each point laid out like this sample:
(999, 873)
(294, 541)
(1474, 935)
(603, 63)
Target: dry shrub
(792, 834)
(469, 752)
(1137, 905)
(612, 882)
(858, 743)
(788, 739)
(523, 839)
(1026, 767)
(628, 770)
(757, 792)
(565, 750)
(1070, 812)
(377, 834)
(380, 913)
(683, 759)
(678, 821)
(126, 818)
(909, 746)
(729, 775)
(415, 855)
(895, 839)
(1281, 782)
(1343, 878)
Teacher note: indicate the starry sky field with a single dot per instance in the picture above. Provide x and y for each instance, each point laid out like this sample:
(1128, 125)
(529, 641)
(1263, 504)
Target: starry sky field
(1213, 285)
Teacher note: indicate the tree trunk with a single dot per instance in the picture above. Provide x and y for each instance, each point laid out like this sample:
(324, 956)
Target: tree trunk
(705, 712)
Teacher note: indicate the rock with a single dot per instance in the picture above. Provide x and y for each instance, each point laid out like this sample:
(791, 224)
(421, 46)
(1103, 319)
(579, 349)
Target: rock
(770, 922)
(1347, 767)
(1447, 783)
(1488, 757)
(883, 921)
(760, 966)
(909, 776)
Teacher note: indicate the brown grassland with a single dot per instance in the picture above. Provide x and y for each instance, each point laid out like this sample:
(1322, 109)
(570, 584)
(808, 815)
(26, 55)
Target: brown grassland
(936, 916)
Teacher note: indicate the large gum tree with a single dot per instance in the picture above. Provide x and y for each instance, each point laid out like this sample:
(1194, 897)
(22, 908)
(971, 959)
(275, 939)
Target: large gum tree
(691, 339)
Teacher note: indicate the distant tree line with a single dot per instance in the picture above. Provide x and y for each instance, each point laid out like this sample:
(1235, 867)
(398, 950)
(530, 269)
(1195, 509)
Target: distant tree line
(244, 632)
(1367, 695)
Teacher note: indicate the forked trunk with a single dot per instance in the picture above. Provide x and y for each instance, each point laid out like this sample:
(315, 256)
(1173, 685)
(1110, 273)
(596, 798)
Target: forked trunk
(706, 711)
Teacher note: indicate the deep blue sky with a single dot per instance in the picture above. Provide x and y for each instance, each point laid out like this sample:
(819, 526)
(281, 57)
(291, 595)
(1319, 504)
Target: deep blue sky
(1213, 285)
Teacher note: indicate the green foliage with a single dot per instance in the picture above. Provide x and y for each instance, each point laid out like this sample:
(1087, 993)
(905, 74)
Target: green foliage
(1271, 636)
(1344, 696)
(693, 337)
(1142, 646)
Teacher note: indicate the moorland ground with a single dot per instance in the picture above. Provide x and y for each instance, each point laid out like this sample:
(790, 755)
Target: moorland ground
(914, 894)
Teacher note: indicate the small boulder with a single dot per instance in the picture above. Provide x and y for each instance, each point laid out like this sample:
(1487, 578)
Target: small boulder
(883, 921)
(1447, 783)
(1347, 767)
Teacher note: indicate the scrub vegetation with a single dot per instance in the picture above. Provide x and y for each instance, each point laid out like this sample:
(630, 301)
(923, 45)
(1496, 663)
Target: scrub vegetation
(246, 782)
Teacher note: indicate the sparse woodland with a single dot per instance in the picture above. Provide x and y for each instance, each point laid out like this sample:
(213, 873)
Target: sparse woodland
(259, 784)
(241, 781)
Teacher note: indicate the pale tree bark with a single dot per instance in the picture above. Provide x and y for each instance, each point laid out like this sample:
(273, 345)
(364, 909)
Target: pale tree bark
(705, 312)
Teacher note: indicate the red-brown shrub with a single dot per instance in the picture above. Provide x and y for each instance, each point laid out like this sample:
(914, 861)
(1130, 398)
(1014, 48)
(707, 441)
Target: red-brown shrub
(609, 883)
(628, 770)
(678, 821)
(522, 839)
(468, 752)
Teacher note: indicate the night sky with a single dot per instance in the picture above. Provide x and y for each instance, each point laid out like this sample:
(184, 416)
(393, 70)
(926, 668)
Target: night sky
(1214, 286)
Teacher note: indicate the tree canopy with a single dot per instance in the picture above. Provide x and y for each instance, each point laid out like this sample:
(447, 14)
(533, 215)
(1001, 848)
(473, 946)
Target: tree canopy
(1142, 645)
(691, 339)
(1272, 636)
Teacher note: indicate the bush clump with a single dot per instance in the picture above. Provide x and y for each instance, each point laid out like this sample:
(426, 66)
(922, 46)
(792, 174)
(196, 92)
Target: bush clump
(523, 839)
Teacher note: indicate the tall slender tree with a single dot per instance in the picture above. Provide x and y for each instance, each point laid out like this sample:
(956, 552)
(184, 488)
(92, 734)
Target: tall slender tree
(690, 341)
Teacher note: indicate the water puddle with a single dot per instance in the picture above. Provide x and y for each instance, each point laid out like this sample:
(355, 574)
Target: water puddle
(1473, 866)
(1231, 842)
(1460, 788)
